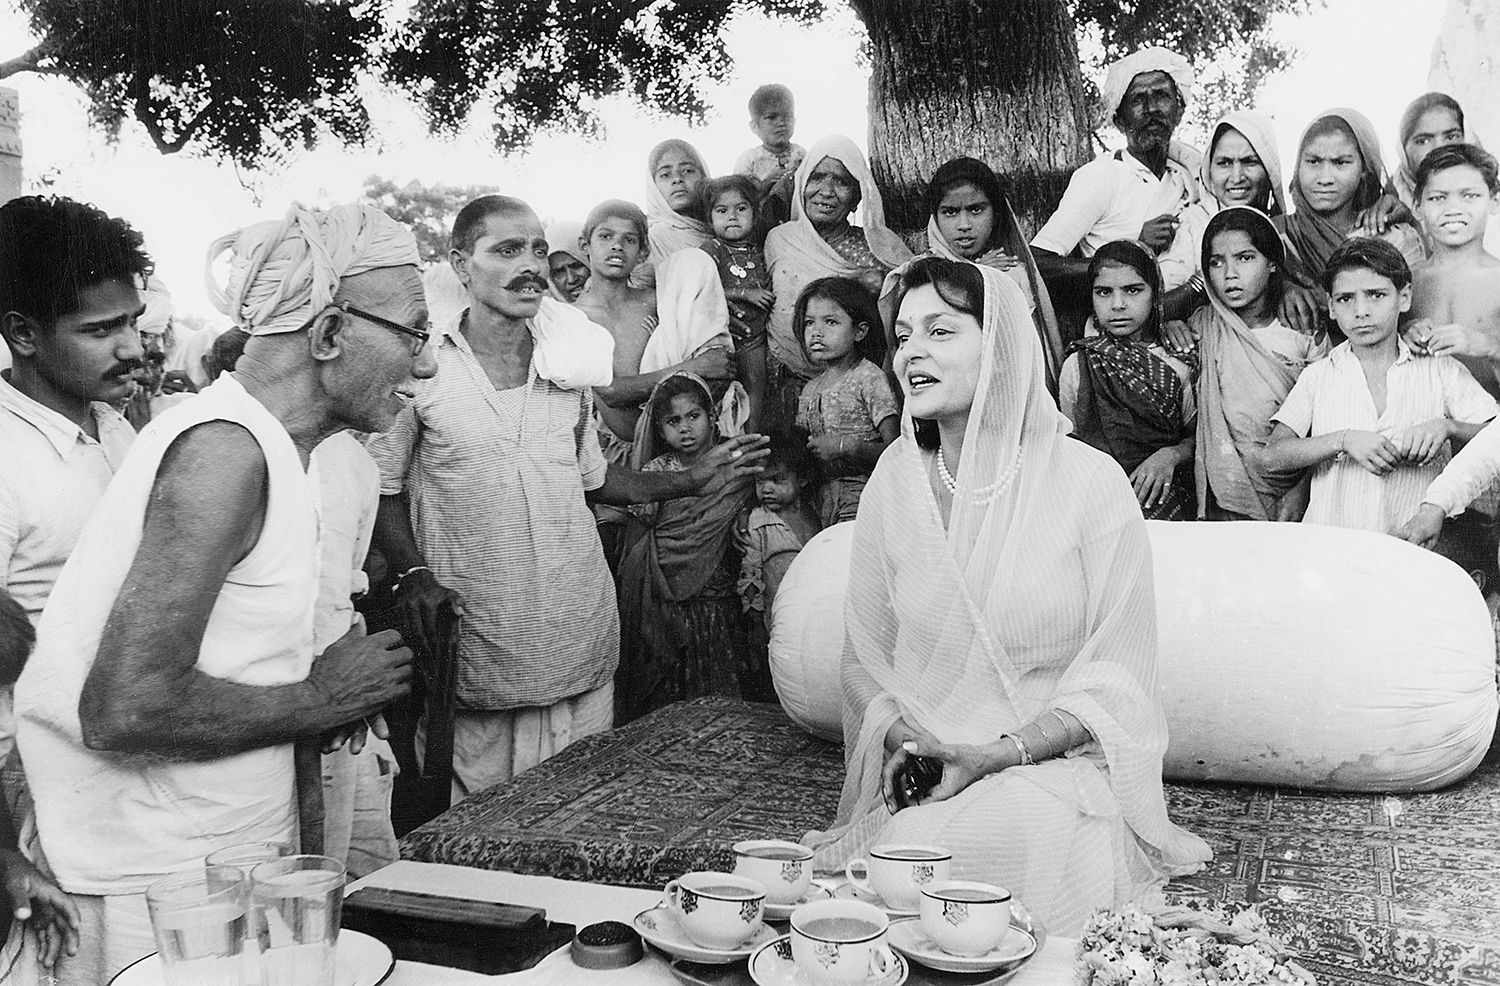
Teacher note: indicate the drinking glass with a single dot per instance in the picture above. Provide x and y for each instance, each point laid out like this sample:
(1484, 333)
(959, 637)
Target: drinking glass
(198, 918)
(295, 907)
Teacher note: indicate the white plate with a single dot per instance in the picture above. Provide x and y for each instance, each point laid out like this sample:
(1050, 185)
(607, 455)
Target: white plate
(848, 891)
(783, 912)
(361, 961)
(772, 965)
(659, 926)
(908, 938)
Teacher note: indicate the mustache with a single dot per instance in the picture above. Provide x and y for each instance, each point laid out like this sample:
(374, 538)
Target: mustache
(124, 366)
(527, 281)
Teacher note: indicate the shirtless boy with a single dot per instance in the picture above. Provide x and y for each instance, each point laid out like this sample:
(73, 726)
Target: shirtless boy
(614, 243)
(1456, 293)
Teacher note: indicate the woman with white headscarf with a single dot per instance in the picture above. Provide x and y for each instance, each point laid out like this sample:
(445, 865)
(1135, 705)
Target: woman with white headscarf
(820, 241)
(1001, 618)
(674, 174)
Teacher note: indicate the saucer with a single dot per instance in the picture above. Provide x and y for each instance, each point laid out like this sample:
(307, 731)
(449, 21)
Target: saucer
(783, 912)
(772, 965)
(908, 938)
(658, 925)
(360, 961)
(848, 891)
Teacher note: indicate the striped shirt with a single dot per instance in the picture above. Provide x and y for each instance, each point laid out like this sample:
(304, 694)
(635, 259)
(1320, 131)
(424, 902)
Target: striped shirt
(1331, 395)
(495, 481)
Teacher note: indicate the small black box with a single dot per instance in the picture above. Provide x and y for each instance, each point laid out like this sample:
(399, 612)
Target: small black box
(476, 935)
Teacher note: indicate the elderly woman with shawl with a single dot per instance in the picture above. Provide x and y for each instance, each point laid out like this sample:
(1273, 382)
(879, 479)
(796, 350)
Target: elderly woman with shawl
(819, 241)
(971, 219)
(1339, 175)
(1248, 362)
(675, 173)
(1001, 618)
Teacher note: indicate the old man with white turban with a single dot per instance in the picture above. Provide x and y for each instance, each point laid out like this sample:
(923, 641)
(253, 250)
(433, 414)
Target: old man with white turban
(1148, 191)
(176, 662)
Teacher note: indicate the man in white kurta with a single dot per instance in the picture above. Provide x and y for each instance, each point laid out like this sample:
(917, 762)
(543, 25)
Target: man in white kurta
(175, 663)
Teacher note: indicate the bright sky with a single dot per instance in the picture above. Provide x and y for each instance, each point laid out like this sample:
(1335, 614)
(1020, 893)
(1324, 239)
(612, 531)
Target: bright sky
(1349, 56)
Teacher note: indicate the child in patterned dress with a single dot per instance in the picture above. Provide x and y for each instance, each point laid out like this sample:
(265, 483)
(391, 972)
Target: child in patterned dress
(736, 250)
(848, 409)
(769, 536)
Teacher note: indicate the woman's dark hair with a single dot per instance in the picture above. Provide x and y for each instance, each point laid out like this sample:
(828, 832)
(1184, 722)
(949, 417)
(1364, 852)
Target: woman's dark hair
(856, 301)
(1263, 237)
(677, 385)
(960, 285)
(1139, 258)
(963, 171)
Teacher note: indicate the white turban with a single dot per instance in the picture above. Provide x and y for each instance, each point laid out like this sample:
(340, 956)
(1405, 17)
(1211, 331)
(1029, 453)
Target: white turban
(158, 313)
(1152, 59)
(283, 272)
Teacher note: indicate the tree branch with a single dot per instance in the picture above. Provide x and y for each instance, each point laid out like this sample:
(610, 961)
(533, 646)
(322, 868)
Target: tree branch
(153, 127)
(30, 61)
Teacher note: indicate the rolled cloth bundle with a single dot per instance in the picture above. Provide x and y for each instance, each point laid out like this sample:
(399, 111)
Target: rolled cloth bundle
(153, 321)
(283, 272)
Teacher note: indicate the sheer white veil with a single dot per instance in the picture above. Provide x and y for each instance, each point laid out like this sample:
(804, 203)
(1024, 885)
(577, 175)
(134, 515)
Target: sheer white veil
(925, 605)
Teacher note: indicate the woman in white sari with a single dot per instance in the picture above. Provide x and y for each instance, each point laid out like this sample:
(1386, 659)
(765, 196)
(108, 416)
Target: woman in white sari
(1001, 618)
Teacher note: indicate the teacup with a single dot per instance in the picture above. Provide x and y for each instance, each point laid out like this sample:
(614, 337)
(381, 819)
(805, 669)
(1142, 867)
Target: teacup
(717, 910)
(840, 942)
(963, 917)
(784, 867)
(896, 873)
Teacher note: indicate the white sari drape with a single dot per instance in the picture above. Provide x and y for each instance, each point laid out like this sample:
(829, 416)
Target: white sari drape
(1037, 595)
(668, 230)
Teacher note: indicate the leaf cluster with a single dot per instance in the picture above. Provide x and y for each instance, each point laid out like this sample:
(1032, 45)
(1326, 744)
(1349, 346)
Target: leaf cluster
(429, 210)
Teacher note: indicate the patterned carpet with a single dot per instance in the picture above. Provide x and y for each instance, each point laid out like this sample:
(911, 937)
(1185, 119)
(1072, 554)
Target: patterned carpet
(1367, 889)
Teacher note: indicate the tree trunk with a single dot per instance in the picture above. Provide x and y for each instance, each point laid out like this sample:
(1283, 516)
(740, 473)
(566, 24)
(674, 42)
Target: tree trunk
(993, 79)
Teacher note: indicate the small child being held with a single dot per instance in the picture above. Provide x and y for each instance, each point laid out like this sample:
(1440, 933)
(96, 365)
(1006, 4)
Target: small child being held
(1373, 420)
(778, 525)
(736, 250)
(774, 163)
(679, 611)
(848, 409)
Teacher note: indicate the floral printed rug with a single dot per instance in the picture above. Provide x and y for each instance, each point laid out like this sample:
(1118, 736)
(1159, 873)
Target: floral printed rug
(1367, 889)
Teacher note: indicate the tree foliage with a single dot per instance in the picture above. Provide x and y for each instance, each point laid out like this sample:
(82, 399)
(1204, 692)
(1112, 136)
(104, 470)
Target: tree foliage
(248, 80)
(428, 209)
(242, 79)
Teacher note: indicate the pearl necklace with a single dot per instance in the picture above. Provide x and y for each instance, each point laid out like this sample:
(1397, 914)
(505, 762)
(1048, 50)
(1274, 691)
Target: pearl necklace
(983, 495)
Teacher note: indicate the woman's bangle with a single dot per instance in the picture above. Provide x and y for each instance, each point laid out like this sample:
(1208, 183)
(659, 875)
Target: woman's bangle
(1046, 740)
(396, 586)
(1026, 760)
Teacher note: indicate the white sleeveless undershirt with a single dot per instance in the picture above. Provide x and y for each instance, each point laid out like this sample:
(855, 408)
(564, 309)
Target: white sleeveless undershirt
(111, 823)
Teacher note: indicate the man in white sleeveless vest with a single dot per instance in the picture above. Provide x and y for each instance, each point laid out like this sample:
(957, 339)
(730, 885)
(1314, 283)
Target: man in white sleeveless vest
(175, 664)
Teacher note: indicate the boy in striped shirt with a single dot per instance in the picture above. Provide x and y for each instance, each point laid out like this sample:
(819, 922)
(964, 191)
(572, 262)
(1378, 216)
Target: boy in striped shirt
(1374, 421)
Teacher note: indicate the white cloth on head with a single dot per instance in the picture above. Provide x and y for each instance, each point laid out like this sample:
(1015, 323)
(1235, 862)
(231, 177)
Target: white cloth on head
(563, 236)
(445, 293)
(1037, 594)
(797, 254)
(158, 313)
(569, 349)
(1153, 59)
(187, 355)
(284, 271)
(668, 230)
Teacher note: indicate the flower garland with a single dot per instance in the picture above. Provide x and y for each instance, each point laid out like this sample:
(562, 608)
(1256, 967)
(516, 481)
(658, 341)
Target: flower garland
(1183, 947)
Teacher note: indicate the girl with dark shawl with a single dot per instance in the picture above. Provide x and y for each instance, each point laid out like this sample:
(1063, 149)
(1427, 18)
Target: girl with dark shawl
(1124, 394)
(1338, 175)
(1249, 360)
(971, 219)
(679, 609)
